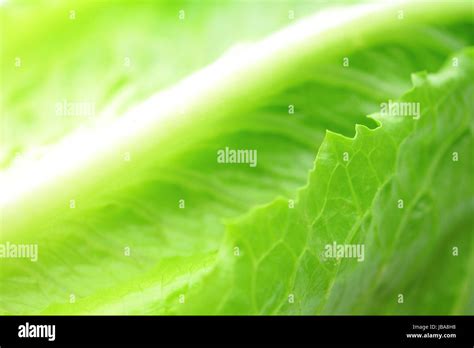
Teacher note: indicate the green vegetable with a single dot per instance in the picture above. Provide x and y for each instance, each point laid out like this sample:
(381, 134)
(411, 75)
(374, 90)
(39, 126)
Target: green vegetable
(135, 213)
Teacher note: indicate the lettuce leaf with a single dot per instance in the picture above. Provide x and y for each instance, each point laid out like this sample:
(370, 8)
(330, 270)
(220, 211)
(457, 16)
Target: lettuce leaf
(183, 256)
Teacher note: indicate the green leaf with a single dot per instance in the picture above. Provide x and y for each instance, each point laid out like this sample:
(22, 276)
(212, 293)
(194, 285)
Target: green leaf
(408, 249)
(177, 251)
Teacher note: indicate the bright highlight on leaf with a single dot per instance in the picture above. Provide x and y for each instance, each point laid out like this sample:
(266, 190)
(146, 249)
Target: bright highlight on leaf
(208, 158)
